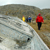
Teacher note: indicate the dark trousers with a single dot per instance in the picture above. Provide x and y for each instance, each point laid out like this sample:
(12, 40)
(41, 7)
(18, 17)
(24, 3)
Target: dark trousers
(29, 21)
(26, 19)
(39, 25)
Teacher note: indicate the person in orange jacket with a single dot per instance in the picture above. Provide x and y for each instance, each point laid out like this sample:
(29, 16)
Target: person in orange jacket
(23, 18)
(39, 21)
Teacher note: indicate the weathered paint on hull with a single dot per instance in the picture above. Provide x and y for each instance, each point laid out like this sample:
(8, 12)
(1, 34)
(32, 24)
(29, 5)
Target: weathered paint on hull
(12, 29)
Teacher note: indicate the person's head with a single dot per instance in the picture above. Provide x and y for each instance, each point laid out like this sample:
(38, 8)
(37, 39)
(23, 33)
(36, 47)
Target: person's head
(23, 15)
(29, 16)
(39, 14)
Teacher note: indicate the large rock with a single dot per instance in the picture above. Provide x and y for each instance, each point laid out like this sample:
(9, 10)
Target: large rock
(17, 35)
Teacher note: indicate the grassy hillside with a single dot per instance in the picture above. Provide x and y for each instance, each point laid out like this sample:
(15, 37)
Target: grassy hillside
(44, 33)
(20, 10)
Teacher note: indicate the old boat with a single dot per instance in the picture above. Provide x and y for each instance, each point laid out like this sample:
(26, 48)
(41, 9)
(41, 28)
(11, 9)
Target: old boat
(18, 35)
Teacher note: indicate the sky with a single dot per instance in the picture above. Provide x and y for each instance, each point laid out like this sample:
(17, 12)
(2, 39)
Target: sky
(42, 4)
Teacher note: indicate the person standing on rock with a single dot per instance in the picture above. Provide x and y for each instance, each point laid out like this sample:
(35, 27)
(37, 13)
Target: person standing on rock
(39, 21)
(23, 18)
(29, 19)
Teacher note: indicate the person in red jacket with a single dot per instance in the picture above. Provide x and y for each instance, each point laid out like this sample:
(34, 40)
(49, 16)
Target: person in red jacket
(39, 21)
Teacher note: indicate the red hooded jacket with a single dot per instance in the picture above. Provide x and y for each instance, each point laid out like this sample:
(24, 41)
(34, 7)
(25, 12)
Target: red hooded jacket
(39, 19)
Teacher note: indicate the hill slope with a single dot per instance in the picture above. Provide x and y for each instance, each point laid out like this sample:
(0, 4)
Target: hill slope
(20, 10)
